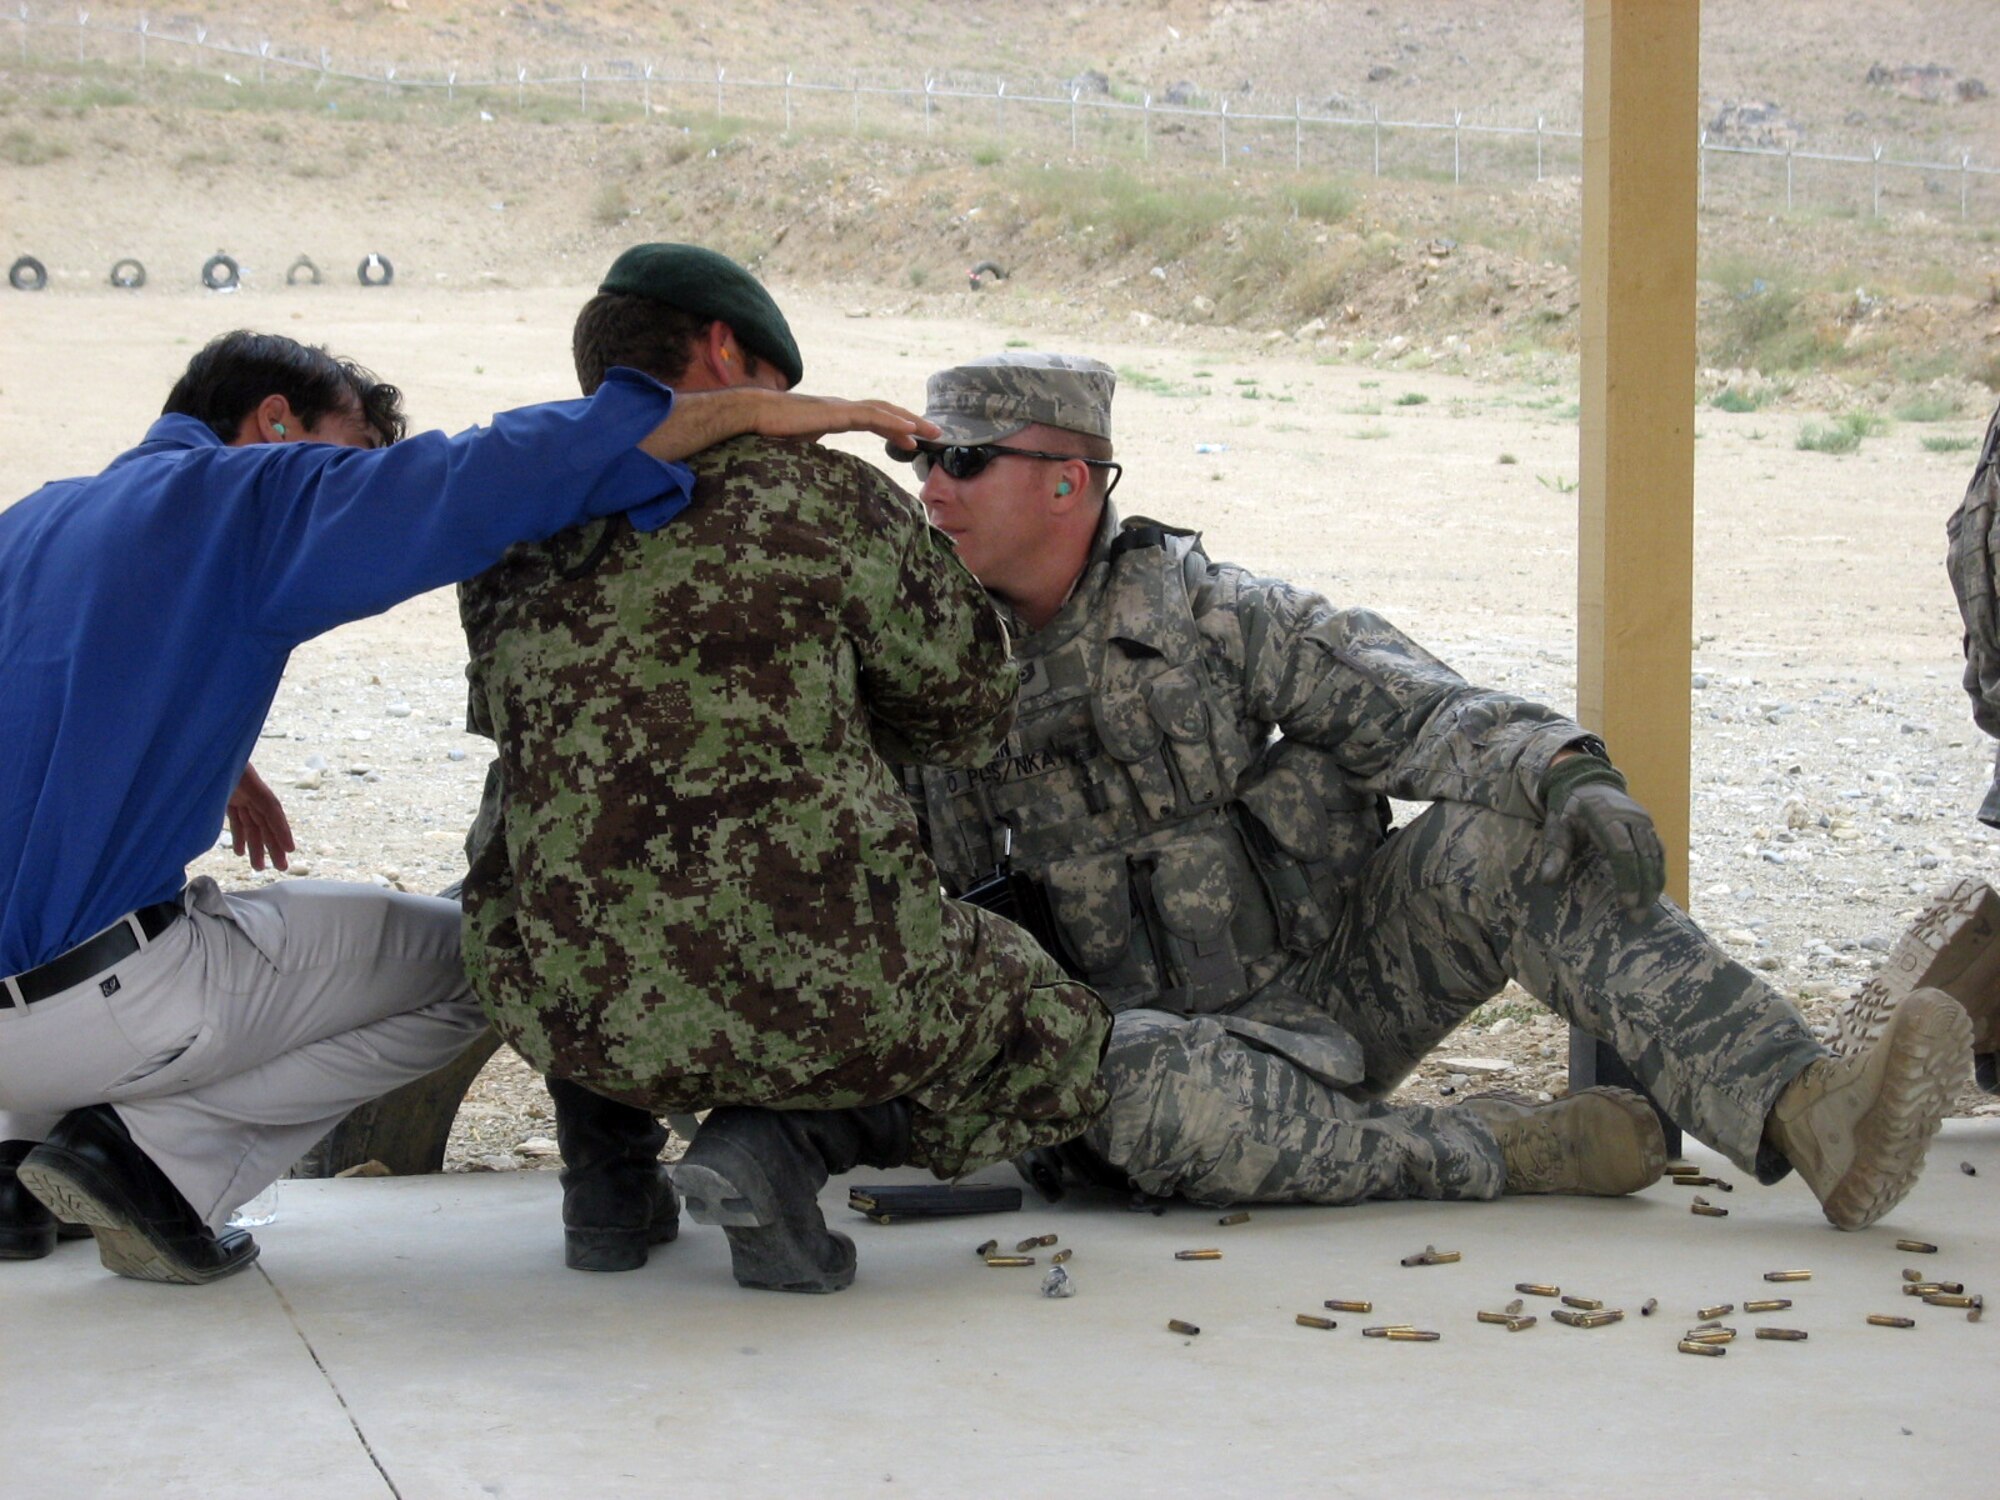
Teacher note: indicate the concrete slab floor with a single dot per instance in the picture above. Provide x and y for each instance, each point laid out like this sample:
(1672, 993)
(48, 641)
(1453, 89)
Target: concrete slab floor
(420, 1338)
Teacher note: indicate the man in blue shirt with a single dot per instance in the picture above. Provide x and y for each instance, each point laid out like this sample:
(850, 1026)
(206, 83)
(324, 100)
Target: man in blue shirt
(166, 1052)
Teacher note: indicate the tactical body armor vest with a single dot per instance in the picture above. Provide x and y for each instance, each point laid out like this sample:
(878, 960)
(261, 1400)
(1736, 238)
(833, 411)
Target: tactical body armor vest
(1186, 856)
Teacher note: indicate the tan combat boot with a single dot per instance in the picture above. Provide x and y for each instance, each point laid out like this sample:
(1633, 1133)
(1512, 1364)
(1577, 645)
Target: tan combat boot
(1603, 1142)
(1856, 1127)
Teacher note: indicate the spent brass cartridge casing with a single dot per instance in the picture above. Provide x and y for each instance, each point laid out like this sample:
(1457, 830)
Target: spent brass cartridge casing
(1035, 1242)
(1338, 1304)
(1239, 1217)
(1968, 1169)
(1175, 1325)
(1412, 1336)
(1515, 1325)
(1010, 1260)
(1430, 1255)
(1883, 1320)
(1060, 1256)
(1584, 1304)
(1783, 1335)
(1538, 1289)
(1708, 1210)
(1768, 1304)
(1695, 1179)
(1587, 1319)
(1650, 1306)
(1922, 1288)
(1314, 1320)
(1721, 1309)
(1910, 1273)
(1954, 1287)
(1950, 1299)
(1978, 1310)
(1681, 1168)
(1493, 1317)
(1710, 1335)
(1917, 1247)
(1689, 1346)
(1513, 1309)
(1385, 1329)
(1788, 1276)
(987, 1249)
(1197, 1255)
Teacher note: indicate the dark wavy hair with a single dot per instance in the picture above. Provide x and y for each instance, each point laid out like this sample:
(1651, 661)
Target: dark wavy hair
(223, 384)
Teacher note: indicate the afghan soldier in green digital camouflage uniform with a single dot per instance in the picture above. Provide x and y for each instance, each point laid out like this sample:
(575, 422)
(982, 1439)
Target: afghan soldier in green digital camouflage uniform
(1195, 786)
(706, 888)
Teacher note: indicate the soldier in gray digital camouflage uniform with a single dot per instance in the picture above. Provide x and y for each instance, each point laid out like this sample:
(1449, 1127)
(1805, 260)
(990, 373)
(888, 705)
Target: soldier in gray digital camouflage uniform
(705, 889)
(1195, 789)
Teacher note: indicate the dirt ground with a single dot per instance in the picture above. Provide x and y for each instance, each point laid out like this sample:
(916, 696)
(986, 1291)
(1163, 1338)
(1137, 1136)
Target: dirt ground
(1836, 768)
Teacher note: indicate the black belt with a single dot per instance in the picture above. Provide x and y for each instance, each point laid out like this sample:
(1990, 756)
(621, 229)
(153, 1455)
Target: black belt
(89, 959)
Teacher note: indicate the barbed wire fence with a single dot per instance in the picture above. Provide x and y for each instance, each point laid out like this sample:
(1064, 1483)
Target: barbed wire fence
(1083, 117)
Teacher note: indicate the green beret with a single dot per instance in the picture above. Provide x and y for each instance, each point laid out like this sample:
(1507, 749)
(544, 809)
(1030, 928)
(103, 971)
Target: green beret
(707, 285)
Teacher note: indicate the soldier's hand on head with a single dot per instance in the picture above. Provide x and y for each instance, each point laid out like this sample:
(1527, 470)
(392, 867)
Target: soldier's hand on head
(1588, 808)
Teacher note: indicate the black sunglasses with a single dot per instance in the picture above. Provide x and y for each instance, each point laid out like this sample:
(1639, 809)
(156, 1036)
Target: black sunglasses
(964, 460)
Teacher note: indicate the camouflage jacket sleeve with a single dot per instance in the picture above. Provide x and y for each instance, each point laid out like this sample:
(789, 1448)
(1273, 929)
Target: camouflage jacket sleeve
(936, 671)
(1397, 719)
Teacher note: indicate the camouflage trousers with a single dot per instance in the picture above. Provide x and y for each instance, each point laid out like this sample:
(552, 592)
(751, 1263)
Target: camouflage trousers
(994, 1047)
(1229, 1108)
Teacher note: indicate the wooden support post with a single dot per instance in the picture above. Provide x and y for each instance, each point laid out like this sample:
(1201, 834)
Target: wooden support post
(1635, 532)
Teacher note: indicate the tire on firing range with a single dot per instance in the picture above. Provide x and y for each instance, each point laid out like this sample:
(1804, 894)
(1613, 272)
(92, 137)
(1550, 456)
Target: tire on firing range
(220, 272)
(27, 274)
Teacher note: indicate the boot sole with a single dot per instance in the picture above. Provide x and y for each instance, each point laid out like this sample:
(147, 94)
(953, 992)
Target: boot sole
(714, 1196)
(732, 1191)
(71, 1189)
(1926, 1066)
(1653, 1144)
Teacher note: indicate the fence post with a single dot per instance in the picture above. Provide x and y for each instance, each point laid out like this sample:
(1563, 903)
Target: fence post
(1964, 180)
(1000, 112)
(1224, 113)
(325, 62)
(1375, 113)
(24, 33)
(1701, 170)
(520, 85)
(857, 104)
(1457, 116)
(646, 92)
(718, 93)
(82, 21)
(1875, 187)
(451, 84)
(1074, 90)
(583, 88)
(1788, 179)
(788, 101)
(1538, 148)
(389, 79)
(1145, 126)
(263, 52)
(930, 86)
(1298, 134)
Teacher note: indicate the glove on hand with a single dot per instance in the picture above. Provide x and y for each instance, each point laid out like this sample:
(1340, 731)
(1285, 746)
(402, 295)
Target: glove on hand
(1587, 806)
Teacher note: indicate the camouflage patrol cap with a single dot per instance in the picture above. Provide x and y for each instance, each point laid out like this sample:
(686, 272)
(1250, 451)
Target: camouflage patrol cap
(708, 285)
(994, 398)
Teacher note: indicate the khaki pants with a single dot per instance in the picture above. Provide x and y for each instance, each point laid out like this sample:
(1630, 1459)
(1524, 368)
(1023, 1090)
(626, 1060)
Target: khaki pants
(239, 1036)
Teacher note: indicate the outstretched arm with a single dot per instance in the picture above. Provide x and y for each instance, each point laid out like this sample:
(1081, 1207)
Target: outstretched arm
(702, 419)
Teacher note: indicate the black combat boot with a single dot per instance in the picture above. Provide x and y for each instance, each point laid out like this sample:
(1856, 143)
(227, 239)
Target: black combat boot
(617, 1199)
(758, 1172)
